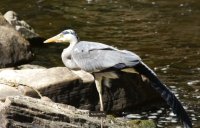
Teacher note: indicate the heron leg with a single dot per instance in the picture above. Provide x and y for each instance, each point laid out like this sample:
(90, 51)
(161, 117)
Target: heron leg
(99, 89)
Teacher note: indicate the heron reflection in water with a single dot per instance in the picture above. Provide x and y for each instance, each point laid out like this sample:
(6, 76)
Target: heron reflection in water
(103, 60)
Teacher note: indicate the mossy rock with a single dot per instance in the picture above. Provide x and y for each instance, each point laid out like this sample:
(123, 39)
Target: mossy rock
(142, 124)
(131, 123)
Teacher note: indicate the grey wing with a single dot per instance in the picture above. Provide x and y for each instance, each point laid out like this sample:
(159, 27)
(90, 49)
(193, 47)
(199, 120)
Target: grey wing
(94, 57)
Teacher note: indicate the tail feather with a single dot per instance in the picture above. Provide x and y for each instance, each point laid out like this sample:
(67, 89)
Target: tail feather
(166, 94)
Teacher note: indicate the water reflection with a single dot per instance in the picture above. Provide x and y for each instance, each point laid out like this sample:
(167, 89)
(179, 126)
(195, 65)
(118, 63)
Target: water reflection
(166, 34)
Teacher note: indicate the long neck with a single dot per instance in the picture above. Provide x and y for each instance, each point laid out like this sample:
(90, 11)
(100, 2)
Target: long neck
(66, 55)
(67, 52)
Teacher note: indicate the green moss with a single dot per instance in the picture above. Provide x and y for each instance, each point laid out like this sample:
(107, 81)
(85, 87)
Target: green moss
(131, 123)
(111, 118)
(142, 124)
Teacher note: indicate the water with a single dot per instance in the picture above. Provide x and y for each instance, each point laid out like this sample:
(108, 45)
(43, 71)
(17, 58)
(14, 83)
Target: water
(166, 34)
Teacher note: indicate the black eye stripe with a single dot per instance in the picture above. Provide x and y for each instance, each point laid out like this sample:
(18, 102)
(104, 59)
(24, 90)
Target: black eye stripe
(65, 32)
(70, 32)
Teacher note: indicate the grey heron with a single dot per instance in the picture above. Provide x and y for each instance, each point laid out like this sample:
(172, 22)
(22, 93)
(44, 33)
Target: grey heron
(103, 60)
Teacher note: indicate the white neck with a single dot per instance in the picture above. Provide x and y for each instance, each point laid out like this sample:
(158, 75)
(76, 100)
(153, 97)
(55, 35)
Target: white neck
(66, 54)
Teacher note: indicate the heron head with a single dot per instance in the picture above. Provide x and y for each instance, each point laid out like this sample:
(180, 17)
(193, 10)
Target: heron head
(66, 36)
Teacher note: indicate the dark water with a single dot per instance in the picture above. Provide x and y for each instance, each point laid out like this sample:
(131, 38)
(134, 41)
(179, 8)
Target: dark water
(166, 34)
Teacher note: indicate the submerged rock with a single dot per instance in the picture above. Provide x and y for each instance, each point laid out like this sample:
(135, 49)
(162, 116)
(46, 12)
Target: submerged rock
(14, 49)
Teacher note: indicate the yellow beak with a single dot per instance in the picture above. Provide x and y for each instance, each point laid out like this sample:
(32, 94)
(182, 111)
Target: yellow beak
(53, 39)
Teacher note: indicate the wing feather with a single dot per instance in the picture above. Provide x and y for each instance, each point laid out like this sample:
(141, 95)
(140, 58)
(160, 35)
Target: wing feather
(94, 57)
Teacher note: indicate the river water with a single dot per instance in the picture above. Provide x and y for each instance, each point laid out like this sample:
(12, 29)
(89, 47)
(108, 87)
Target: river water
(166, 35)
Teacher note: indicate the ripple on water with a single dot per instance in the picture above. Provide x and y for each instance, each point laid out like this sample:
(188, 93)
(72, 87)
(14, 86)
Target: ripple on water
(152, 117)
(133, 116)
(164, 117)
(194, 82)
(172, 114)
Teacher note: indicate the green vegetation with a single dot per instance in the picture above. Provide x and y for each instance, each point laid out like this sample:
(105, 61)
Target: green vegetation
(142, 124)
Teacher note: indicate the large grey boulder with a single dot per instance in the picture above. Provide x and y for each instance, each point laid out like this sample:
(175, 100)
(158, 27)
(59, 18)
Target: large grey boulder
(14, 49)
(77, 88)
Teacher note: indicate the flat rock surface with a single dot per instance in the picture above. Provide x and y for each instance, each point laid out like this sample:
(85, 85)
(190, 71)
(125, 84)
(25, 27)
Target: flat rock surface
(42, 79)
(6, 90)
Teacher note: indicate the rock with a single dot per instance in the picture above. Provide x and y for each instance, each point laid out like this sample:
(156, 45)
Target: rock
(22, 111)
(24, 28)
(6, 91)
(3, 20)
(20, 25)
(24, 66)
(142, 124)
(14, 49)
(49, 82)
(29, 66)
(77, 88)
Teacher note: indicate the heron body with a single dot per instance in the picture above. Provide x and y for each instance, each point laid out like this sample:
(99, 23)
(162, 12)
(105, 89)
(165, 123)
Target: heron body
(103, 60)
